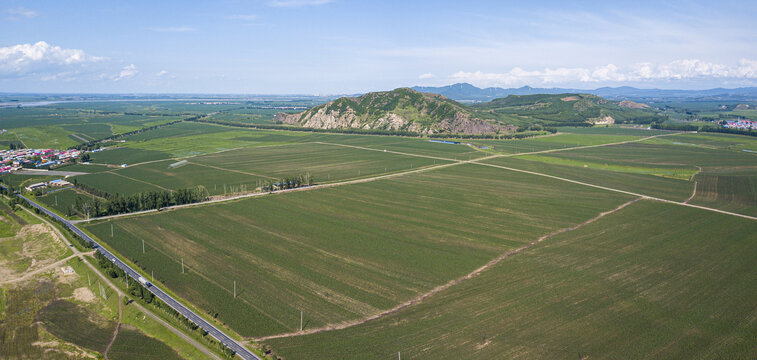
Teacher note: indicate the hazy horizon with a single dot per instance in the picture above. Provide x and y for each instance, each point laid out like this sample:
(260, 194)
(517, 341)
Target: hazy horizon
(345, 47)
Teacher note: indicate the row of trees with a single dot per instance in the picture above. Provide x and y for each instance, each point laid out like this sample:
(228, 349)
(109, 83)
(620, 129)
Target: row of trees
(704, 128)
(104, 203)
(95, 144)
(291, 182)
(137, 291)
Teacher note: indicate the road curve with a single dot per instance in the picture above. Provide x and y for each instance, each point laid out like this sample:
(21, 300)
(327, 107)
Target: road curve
(219, 335)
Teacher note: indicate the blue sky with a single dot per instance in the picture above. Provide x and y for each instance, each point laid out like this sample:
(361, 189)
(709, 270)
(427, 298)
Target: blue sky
(343, 46)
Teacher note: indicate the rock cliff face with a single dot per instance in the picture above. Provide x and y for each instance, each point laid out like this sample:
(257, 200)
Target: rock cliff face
(397, 110)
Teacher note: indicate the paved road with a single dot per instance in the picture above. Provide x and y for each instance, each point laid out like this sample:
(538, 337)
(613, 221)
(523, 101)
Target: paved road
(243, 352)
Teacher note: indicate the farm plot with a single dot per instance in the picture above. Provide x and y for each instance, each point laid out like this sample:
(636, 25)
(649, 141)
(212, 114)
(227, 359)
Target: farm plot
(611, 130)
(133, 344)
(64, 201)
(559, 141)
(732, 190)
(192, 139)
(127, 156)
(650, 281)
(173, 174)
(344, 253)
(325, 163)
(644, 154)
(415, 146)
(646, 184)
(116, 184)
(710, 140)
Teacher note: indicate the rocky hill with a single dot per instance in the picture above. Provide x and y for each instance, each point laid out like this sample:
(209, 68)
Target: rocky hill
(569, 109)
(401, 109)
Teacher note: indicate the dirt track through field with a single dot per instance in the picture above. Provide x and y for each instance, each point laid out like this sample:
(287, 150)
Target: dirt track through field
(694, 193)
(118, 326)
(446, 286)
(44, 269)
(190, 340)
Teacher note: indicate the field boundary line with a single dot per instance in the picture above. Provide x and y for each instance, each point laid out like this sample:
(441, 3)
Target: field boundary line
(694, 193)
(304, 188)
(618, 190)
(118, 327)
(19, 139)
(587, 146)
(230, 170)
(142, 181)
(363, 180)
(449, 284)
(386, 151)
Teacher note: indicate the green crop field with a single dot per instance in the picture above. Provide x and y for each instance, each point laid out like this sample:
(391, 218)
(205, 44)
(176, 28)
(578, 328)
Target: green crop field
(324, 162)
(238, 169)
(116, 184)
(650, 281)
(63, 201)
(127, 156)
(75, 324)
(174, 174)
(133, 344)
(733, 190)
(65, 125)
(559, 141)
(352, 251)
(611, 130)
(637, 182)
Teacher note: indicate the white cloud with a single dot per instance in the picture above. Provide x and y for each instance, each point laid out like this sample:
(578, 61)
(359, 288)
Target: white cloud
(426, 76)
(297, 3)
(23, 12)
(173, 29)
(21, 59)
(127, 72)
(247, 17)
(161, 73)
(687, 69)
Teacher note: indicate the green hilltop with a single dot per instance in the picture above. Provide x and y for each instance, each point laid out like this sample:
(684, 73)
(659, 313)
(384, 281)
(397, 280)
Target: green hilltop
(407, 110)
(569, 109)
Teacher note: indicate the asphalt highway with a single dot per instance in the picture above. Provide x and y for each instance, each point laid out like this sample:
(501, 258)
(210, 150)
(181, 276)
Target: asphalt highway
(160, 294)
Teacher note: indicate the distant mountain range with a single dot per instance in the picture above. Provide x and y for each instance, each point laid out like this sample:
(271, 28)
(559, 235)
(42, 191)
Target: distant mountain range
(468, 92)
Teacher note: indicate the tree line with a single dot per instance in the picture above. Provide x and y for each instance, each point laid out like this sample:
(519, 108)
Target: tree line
(291, 182)
(104, 203)
(704, 128)
(138, 291)
(95, 144)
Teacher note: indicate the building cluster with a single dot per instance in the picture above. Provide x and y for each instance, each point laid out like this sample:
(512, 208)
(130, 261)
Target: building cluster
(53, 183)
(16, 159)
(741, 124)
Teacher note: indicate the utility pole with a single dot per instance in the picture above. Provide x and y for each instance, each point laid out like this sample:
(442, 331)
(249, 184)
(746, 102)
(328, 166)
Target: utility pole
(182, 265)
(88, 280)
(152, 274)
(399, 356)
(235, 289)
(111, 230)
(143, 246)
(300, 320)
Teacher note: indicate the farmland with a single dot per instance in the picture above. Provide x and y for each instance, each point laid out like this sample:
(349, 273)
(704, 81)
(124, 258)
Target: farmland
(48, 314)
(398, 250)
(649, 279)
(354, 251)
